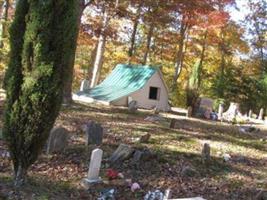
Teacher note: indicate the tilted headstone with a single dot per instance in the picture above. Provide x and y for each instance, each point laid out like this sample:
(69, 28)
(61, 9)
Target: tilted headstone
(140, 156)
(156, 110)
(122, 153)
(220, 112)
(94, 167)
(85, 85)
(132, 106)
(145, 138)
(57, 140)
(93, 133)
(260, 117)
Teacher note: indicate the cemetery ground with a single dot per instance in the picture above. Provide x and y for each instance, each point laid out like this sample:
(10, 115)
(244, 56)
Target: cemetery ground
(176, 162)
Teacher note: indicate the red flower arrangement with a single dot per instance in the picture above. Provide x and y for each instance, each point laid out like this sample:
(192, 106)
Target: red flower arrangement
(112, 174)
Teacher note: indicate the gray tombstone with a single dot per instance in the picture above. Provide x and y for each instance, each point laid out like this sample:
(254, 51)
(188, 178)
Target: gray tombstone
(156, 110)
(205, 104)
(85, 85)
(122, 153)
(132, 106)
(145, 138)
(93, 133)
(57, 140)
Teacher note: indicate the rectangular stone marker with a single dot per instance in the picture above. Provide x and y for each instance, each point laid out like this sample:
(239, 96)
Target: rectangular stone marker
(93, 133)
(220, 112)
(94, 167)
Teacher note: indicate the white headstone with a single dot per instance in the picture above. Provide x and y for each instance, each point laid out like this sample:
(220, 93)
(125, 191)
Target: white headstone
(94, 167)
(250, 114)
(220, 112)
(260, 117)
(85, 85)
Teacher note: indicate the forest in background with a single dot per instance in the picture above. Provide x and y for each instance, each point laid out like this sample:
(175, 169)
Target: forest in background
(200, 49)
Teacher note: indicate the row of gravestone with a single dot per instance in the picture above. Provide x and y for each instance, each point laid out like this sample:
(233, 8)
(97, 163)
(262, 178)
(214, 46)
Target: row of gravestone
(58, 138)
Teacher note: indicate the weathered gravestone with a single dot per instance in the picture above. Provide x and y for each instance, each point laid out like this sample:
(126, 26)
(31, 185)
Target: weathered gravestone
(156, 110)
(132, 106)
(94, 168)
(85, 85)
(205, 106)
(57, 140)
(145, 138)
(141, 156)
(93, 133)
(123, 152)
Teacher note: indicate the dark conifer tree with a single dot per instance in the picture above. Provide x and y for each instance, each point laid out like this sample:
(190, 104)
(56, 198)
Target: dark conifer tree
(41, 40)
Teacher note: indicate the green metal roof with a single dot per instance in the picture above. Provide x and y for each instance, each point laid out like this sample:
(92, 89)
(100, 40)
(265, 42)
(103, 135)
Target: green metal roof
(123, 80)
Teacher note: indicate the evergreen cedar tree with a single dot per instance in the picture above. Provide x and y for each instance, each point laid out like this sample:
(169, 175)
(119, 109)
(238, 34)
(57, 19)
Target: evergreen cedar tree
(41, 40)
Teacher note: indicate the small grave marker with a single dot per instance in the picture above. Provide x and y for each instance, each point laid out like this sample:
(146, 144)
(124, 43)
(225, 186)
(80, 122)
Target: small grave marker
(94, 167)
(57, 140)
(94, 133)
(260, 117)
(85, 85)
(220, 112)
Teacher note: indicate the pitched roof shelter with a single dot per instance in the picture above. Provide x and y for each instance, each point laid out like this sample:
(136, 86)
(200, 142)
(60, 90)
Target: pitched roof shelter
(141, 83)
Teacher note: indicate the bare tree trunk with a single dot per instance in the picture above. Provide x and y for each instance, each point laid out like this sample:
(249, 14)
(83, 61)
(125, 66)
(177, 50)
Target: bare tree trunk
(133, 36)
(67, 91)
(100, 52)
(180, 52)
(202, 56)
(92, 61)
(20, 176)
(222, 51)
(148, 43)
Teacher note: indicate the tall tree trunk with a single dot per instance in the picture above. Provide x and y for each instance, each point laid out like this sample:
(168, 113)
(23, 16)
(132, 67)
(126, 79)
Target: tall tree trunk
(179, 57)
(133, 35)
(92, 61)
(100, 51)
(148, 43)
(202, 56)
(222, 63)
(67, 92)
